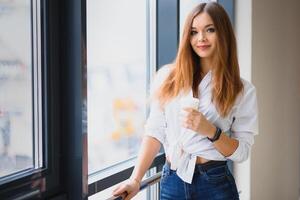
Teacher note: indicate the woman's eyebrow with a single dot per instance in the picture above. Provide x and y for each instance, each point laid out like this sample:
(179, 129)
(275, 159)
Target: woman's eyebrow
(204, 26)
(208, 25)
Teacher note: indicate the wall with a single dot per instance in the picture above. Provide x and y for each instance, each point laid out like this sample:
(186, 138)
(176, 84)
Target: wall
(243, 30)
(276, 74)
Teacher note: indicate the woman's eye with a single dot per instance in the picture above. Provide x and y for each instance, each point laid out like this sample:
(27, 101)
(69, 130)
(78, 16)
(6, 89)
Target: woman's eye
(210, 30)
(193, 32)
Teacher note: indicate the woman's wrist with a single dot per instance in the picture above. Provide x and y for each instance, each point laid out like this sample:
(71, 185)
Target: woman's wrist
(216, 136)
(136, 180)
(211, 132)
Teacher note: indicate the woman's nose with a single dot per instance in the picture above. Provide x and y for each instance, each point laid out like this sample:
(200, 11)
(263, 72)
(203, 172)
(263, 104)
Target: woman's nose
(201, 37)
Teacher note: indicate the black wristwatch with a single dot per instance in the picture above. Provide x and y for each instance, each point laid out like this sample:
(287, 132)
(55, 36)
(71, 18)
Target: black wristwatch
(216, 136)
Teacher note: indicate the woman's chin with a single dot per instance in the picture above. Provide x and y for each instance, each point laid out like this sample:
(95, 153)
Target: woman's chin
(204, 55)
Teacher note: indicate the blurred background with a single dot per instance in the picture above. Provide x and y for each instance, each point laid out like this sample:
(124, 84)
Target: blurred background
(16, 124)
(123, 52)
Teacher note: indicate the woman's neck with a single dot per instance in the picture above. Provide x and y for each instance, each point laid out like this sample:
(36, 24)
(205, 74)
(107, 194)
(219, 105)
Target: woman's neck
(206, 65)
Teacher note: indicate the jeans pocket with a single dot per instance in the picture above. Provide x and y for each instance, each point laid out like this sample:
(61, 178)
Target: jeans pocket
(216, 174)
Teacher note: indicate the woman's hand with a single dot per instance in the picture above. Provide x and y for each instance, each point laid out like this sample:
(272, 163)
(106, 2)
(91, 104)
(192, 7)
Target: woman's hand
(128, 189)
(196, 121)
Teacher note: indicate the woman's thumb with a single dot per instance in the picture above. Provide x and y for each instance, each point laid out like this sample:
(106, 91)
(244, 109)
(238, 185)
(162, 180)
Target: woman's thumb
(128, 197)
(119, 190)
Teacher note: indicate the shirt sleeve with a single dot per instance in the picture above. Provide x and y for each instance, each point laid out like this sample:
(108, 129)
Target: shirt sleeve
(245, 125)
(156, 122)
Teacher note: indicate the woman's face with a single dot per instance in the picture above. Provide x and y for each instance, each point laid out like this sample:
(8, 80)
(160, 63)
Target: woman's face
(203, 36)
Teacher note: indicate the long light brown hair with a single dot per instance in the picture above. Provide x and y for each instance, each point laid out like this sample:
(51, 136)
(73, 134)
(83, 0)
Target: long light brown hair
(185, 74)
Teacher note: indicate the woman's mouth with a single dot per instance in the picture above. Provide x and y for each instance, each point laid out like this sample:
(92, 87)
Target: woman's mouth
(203, 47)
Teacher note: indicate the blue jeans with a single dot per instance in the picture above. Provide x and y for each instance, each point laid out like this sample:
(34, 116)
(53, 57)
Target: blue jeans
(215, 182)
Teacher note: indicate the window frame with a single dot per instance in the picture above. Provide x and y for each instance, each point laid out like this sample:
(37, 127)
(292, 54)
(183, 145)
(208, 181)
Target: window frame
(21, 184)
(62, 24)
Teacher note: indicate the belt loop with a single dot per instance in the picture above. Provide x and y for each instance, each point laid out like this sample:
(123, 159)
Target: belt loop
(166, 169)
(199, 169)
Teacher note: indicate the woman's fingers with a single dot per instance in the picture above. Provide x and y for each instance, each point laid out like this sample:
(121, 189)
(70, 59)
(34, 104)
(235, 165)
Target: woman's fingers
(129, 196)
(126, 190)
(116, 188)
(124, 196)
(120, 190)
(188, 109)
(190, 112)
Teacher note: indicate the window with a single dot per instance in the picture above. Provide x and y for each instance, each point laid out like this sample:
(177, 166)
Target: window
(20, 83)
(117, 80)
(126, 44)
(32, 153)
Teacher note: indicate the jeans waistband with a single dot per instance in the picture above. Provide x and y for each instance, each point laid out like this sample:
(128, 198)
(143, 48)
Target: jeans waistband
(210, 164)
(205, 166)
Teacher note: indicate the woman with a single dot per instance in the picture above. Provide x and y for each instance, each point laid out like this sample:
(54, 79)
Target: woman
(201, 111)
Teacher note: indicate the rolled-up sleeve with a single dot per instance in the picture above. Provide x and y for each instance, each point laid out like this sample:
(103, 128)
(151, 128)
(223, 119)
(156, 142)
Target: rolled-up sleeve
(156, 122)
(245, 124)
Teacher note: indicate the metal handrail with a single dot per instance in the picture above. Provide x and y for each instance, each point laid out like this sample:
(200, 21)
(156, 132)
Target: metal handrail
(145, 183)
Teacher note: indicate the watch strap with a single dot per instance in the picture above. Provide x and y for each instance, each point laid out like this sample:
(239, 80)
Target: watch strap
(216, 136)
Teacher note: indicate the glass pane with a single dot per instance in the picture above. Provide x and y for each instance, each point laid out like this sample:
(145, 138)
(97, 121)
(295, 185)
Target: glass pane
(117, 78)
(16, 124)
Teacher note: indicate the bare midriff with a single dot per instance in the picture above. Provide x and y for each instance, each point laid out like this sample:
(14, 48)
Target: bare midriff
(199, 160)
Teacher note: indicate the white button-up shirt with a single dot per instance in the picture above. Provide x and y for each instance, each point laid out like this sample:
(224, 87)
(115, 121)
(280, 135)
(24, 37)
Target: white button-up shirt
(181, 145)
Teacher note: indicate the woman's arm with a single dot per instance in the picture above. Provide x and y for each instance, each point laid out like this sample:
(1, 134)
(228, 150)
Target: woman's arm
(149, 149)
(196, 121)
(154, 136)
(225, 145)
(235, 148)
(245, 126)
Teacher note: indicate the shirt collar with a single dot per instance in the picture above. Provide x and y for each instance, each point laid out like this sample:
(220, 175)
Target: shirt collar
(205, 81)
(202, 86)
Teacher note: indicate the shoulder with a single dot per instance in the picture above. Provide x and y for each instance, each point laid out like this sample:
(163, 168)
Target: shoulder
(247, 95)
(248, 86)
(162, 74)
(164, 71)
(159, 77)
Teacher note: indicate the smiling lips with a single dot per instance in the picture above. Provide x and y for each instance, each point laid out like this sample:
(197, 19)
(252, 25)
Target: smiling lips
(203, 47)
